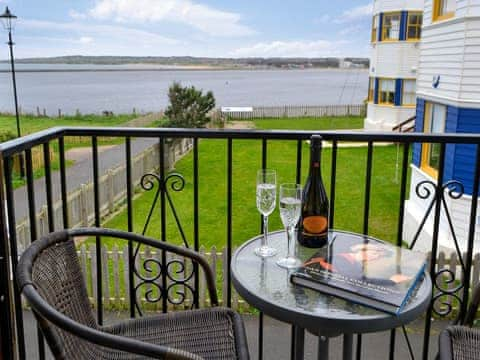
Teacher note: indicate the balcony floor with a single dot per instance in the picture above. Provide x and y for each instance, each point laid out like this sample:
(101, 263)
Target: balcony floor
(277, 340)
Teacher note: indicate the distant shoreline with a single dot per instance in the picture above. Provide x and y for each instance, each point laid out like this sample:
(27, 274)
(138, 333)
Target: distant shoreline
(181, 63)
(165, 69)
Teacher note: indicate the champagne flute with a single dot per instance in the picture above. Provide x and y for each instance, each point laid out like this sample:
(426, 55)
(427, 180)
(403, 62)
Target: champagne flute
(290, 208)
(266, 199)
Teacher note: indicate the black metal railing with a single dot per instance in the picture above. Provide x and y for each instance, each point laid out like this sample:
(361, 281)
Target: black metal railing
(12, 327)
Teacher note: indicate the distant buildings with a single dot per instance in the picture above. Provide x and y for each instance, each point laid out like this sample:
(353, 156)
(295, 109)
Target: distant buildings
(347, 63)
(395, 37)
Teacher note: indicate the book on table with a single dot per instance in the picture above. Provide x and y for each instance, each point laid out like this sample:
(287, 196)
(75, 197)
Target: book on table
(364, 270)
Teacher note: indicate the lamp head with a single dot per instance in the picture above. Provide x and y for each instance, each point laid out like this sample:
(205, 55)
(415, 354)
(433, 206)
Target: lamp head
(8, 19)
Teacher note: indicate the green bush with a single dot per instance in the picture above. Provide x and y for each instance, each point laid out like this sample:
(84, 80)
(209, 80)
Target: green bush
(188, 106)
(6, 135)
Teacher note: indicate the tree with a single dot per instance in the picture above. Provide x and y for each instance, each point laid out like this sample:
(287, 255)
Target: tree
(188, 106)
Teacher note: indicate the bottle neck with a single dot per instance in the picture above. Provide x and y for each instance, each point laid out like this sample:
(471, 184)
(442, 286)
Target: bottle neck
(315, 169)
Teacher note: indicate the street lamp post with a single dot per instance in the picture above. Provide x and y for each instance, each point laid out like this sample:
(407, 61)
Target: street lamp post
(8, 21)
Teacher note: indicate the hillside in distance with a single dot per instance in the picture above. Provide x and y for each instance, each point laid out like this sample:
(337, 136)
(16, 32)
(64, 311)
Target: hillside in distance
(327, 62)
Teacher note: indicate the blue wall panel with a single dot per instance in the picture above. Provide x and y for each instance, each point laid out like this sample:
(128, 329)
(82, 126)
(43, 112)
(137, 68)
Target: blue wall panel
(403, 26)
(468, 121)
(417, 148)
(380, 24)
(465, 165)
(459, 158)
(398, 92)
(450, 127)
(375, 93)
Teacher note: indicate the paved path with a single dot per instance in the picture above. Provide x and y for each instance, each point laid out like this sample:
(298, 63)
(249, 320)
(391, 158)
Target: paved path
(80, 173)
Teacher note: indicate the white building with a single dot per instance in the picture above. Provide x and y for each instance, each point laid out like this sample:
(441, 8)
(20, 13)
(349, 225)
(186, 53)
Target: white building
(448, 100)
(395, 36)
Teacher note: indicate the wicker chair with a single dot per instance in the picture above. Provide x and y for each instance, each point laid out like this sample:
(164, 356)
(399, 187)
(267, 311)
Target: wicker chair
(50, 278)
(462, 342)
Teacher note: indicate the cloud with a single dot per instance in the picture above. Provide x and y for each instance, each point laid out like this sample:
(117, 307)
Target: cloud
(74, 38)
(202, 17)
(85, 40)
(351, 30)
(75, 15)
(324, 19)
(357, 13)
(109, 32)
(318, 48)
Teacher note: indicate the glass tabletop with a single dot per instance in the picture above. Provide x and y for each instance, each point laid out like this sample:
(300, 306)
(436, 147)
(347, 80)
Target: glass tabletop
(266, 286)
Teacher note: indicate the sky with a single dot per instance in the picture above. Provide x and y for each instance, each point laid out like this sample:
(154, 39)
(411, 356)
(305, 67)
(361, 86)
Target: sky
(210, 28)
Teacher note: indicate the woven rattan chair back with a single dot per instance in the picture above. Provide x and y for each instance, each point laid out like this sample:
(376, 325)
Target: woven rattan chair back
(57, 276)
(50, 277)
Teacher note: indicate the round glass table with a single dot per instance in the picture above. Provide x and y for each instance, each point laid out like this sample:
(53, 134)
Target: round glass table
(267, 287)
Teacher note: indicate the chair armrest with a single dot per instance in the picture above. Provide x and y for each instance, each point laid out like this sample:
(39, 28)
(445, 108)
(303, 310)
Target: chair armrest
(209, 275)
(47, 312)
(473, 307)
(459, 342)
(444, 346)
(28, 257)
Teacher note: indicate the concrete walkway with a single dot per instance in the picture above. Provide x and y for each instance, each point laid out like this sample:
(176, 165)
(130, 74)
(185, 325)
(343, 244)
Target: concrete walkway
(80, 173)
(277, 335)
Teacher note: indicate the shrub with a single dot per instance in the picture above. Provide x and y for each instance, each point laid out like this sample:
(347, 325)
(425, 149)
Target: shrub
(6, 135)
(188, 106)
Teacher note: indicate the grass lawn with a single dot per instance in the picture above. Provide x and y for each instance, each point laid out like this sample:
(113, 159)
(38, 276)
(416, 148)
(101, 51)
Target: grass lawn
(31, 124)
(349, 200)
(306, 123)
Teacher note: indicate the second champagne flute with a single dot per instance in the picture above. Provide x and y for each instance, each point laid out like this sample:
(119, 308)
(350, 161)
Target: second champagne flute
(290, 207)
(266, 199)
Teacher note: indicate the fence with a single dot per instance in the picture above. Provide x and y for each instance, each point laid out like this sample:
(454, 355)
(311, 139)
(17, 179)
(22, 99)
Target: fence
(115, 275)
(42, 112)
(38, 160)
(297, 111)
(113, 192)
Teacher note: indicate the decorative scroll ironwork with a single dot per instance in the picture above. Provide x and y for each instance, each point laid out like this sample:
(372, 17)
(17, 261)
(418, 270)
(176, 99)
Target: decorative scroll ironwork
(180, 284)
(445, 289)
(445, 292)
(177, 183)
(172, 279)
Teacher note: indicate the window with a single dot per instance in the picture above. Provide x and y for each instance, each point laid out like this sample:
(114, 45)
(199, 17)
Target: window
(386, 93)
(371, 89)
(443, 9)
(408, 92)
(374, 28)
(434, 122)
(414, 26)
(391, 27)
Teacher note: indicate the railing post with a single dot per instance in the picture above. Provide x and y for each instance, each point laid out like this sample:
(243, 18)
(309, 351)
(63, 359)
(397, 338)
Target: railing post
(110, 190)
(83, 215)
(7, 332)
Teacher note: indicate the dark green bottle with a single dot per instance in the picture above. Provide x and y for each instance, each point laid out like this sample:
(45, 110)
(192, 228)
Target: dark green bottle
(313, 224)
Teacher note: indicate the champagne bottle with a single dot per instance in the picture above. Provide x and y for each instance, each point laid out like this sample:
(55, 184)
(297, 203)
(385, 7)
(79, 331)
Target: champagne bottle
(313, 224)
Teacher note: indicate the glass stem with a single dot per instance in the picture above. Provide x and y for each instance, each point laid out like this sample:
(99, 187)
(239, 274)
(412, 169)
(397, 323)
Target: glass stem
(265, 231)
(289, 240)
